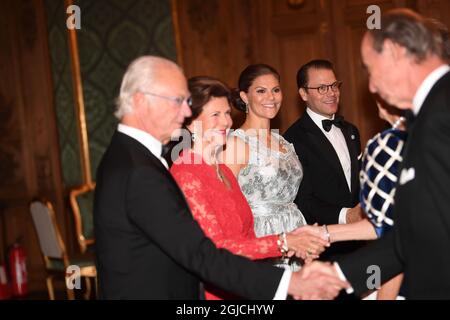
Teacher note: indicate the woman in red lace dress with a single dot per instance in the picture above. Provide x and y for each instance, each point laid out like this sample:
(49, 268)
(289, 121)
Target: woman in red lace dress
(212, 191)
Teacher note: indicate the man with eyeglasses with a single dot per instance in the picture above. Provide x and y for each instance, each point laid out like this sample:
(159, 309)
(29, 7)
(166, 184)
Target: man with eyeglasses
(328, 148)
(407, 67)
(148, 245)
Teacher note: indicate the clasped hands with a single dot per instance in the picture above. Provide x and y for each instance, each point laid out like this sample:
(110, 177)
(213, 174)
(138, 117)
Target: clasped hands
(316, 281)
(307, 242)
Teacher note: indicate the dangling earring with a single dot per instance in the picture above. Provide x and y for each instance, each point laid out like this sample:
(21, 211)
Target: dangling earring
(246, 107)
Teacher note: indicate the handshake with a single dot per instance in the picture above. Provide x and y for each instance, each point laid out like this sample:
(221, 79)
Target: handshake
(306, 242)
(316, 280)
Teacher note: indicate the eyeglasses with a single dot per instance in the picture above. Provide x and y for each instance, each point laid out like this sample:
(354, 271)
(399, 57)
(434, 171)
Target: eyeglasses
(178, 100)
(323, 89)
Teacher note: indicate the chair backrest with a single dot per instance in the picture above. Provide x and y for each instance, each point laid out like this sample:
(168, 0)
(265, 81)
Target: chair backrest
(82, 204)
(50, 240)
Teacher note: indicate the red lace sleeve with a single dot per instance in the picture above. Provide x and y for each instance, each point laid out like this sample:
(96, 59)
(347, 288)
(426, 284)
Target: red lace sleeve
(205, 213)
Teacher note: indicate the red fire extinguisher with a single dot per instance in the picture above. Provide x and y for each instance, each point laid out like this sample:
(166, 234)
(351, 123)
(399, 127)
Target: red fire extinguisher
(18, 270)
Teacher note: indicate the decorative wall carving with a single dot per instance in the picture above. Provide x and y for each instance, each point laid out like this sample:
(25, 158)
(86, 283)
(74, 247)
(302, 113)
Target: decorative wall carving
(287, 34)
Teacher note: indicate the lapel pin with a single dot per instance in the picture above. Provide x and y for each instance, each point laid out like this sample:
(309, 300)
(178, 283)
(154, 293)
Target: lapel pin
(353, 137)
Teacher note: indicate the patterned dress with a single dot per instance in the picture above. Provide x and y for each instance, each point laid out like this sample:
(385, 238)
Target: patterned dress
(270, 182)
(223, 213)
(378, 177)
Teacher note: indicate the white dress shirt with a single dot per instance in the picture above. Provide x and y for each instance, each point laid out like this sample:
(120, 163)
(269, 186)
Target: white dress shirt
(418, 100)
(337, 140)
(146, 139)
(155, 147)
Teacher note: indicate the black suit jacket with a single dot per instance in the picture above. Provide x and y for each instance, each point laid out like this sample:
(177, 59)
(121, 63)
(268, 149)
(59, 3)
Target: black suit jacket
(148, 245)
(419, 243)
(324, 190)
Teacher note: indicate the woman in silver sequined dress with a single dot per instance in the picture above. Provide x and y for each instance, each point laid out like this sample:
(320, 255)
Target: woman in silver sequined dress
(266, 166)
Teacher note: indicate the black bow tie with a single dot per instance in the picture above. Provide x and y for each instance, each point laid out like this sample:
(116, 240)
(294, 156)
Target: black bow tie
(165, 149)
(337, 121)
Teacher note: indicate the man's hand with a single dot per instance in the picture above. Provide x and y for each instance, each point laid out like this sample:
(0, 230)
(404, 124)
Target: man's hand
(316, 281)
(355, 214)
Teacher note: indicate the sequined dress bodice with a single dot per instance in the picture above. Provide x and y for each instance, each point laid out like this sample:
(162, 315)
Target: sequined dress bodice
(270, 183)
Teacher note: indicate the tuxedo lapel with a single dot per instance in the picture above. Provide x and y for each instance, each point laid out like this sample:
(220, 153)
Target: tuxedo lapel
(136, 147)
(320, 141)
(350, 140)
(157, 163)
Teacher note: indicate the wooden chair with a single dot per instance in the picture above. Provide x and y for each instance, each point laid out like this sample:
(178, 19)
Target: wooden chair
(82, 204)
(54, 251)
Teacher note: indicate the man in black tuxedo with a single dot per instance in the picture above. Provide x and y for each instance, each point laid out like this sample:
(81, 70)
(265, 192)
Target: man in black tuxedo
(406, 68)
(328, 148)
(148, 245)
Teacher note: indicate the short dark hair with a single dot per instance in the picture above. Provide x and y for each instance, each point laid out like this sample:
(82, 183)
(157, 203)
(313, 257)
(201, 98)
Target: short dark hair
(246, 79)
(302, 74)
(202, 89)
(408, 29)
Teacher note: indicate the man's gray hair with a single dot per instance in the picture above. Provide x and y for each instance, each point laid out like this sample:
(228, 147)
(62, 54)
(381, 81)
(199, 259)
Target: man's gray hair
(141, 75)
(442, 37)
(408, 29)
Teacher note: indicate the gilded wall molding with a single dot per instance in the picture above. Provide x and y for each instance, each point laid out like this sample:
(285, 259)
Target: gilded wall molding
(79, 102)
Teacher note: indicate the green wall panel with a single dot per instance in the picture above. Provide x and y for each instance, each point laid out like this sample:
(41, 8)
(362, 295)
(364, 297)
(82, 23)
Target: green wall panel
(112, 34)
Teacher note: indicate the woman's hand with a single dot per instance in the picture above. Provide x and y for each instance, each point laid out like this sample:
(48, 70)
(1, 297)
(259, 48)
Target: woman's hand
(308, 242)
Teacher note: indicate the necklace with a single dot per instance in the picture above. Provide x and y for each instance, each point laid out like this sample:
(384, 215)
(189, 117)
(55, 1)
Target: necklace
(215, 163)
(220, 176)
(219, 173)
(398, 122)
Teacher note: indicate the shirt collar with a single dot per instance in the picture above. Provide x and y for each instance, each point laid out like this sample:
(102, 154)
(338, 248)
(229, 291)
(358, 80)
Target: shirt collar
(426, 85)
(150, 142)
(317, 118)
